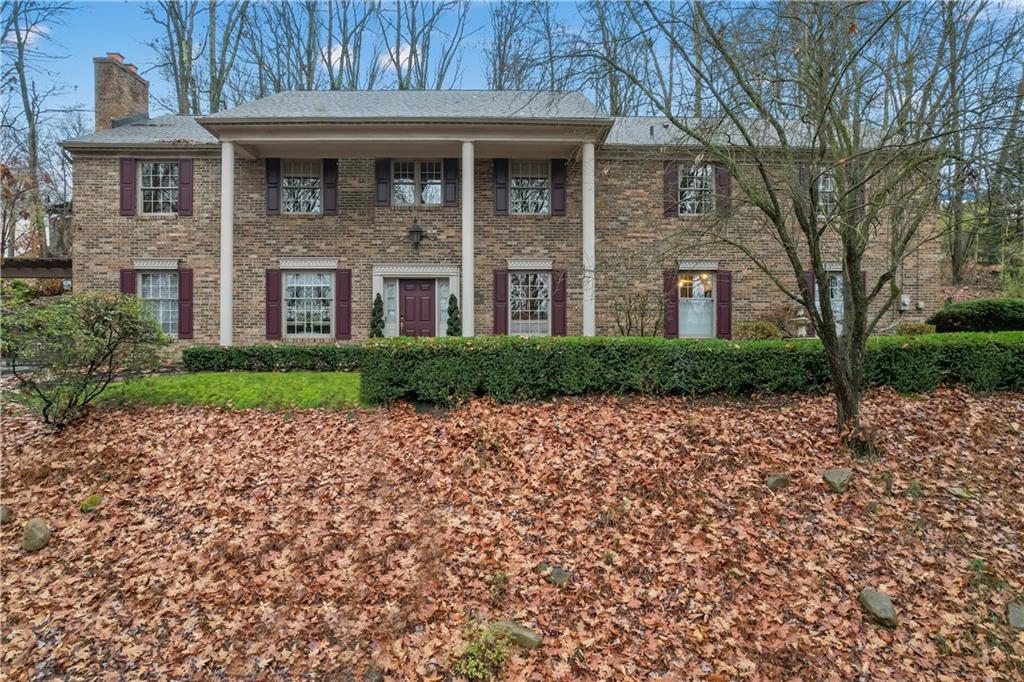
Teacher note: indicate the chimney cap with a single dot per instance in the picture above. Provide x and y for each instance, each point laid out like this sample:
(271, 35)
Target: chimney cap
(116, 56)
(131, 67)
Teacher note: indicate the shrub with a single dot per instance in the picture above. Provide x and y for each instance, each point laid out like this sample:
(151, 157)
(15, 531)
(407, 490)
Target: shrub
(914, 328)
(484, 656)
(64, 351)
(512, 369)
(377, 318)
(759, 330)
(454, 321)
(272, 358)
(981, 315)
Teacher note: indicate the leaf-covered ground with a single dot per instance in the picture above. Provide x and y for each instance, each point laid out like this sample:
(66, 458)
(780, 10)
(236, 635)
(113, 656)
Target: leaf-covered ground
(319, 544)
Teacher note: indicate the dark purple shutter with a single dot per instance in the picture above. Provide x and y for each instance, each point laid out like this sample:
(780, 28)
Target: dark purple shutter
(451, 182)
(127, 186)
(723, 312)
(273, 304)
(273, 186)
(671, 188)
(184, 303)
(864, 282)
(382, 183)
(501, 187)
(330, 187)
(558, 172)
(805, 175)
(670, 289)
(811, 286)
(723, 188)
(185, 188)
(127, 281)
(343, 304)
(558, 281)
(500, 302)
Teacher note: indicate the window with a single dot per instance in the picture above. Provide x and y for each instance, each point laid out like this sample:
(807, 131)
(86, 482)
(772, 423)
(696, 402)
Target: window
(697, 190)
(159, 186)
(529, 303)
(828, 195)
(530, 186)
(300, 187)
(308, 303)
(697, 304)
(415, 182)
(835, 299)
(443, 292)
(159, 290)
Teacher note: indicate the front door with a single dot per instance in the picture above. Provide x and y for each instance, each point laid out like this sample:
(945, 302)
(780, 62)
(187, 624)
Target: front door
(416, 312)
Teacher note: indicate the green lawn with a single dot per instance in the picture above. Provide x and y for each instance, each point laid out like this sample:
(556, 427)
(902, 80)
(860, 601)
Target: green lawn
(242, 390)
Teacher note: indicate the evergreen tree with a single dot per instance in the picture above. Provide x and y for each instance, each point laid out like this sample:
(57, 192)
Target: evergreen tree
(377, 318)
(454, 322)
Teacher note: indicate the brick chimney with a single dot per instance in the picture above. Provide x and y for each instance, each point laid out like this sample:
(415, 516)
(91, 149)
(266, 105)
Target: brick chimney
(121, 93)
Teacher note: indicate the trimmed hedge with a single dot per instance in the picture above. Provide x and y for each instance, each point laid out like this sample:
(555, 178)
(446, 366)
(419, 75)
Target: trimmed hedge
(981, 315)
(511, 369)
(271, 358)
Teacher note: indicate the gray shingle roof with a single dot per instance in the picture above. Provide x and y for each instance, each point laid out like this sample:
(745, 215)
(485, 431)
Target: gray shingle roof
(415, 105)
(162, 130)
(642, 131)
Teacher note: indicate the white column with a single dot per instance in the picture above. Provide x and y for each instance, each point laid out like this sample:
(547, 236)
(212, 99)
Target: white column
(468, 279)
(589, 239)
(227, 241)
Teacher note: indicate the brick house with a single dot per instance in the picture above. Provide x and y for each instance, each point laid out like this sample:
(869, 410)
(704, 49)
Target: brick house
(283, 218)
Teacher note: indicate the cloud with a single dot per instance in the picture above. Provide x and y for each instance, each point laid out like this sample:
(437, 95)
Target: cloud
(33, 35)
(386, 63)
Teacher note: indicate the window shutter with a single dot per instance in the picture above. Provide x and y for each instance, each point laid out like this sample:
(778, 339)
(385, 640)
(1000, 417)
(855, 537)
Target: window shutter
(127, 281)
(273, 304)
(671, 188)
(343, 304)
(559, 280)
(451, 182)
(501, 187)
(723, 312)
(805, 175)
(330, 187)
(723, 189)
(861, 209)
(127, 186)
(500, 302)
(811, 286)
(185, 187)
(671, 294)
(273, 186)
(864, 282)
(184, 303)
(558, 173)
(382, 184)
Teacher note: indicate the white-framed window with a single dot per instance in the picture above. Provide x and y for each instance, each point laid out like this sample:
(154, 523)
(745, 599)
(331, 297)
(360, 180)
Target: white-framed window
(158, 187)
(308, 304)
(159, 291)
(697, 292)
(828, 195)
(697, 189)
(443, 292)
(835, 298)
(300, 186)
(529, 303)
(529, 186)
(416, 183)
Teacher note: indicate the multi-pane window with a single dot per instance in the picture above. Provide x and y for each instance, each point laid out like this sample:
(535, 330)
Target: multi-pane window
(530, 186)
(443, 292)
(159, 186)
(696, 304)
(159, 290)
(835, 299)
(300, 187)
(529, 303)
(308, 303)
(697, 189)
(415, 182)
(828, 195)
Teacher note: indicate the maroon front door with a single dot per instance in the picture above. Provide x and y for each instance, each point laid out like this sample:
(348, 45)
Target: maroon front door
(416, 313)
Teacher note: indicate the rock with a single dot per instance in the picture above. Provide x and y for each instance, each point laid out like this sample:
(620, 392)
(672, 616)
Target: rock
(6, 514)
(90, 503)
(519, 635)
(838, 478)
(1015, 616)
(777, 482)
(556, 575)
(878, 606)
(36, 535)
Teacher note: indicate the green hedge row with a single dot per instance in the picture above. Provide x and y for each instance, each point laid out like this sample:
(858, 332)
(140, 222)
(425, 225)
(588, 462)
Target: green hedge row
(511, 369)
(981, 315)
(271, 358)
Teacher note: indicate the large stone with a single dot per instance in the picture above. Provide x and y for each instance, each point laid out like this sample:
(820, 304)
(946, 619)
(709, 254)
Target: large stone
(878, 606)
(838, 478)
(36, 535)
(1015, 616)
(556, 575)
(520, 636)
(5, 514)
(777, 482)
(90, 503)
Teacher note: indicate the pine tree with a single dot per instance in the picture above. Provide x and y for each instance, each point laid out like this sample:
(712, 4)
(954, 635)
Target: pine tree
(377, 318)
(454, 322)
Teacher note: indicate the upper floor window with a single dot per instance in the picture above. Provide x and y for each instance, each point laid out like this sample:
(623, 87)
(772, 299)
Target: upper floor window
(308, 304)
(159, 186)
(697, 189)
(529, 303)
(828, 194)
(300, 186)
(415, 182)
(159, 291)
(530, 186)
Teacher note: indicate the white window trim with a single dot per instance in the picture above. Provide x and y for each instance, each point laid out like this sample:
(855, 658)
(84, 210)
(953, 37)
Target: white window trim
(138, 188)
(819, 209)
(155, 264)
(511, 176)
(435, 271)
(683, 170)
(530, 263)
(159, 270)
(308, 263)
(551, 297)
(417, 182)
(691, 265)
(284, 305)
(714, 301)
(320, 165)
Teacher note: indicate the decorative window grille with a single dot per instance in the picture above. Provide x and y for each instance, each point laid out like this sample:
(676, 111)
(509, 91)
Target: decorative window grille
(530, 186)
(308, 303)
(300, 187)
(529, 299)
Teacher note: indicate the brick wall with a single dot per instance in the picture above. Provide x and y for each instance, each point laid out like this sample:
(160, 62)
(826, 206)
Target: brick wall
(120, 91)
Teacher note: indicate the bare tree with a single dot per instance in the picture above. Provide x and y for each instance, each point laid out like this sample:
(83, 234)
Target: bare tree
(351, 48)
(177, 50)
(223, 39)
(423, 42)
(512, 50)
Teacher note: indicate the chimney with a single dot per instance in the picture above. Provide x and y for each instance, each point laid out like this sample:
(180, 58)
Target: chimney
(122, 95)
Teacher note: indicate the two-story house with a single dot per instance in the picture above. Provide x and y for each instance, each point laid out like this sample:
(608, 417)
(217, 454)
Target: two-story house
(283, 218)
